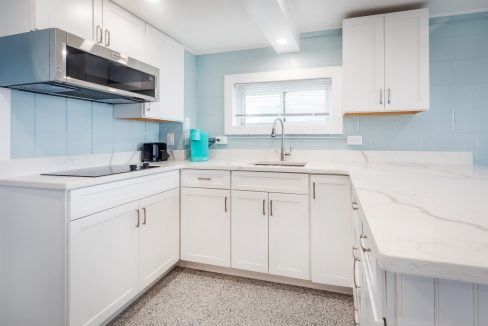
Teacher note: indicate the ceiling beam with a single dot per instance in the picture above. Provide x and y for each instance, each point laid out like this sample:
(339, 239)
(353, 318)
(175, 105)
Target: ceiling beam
(273, 20)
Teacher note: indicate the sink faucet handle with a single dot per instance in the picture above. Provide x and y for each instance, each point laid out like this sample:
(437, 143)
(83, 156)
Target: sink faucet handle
(288, 151)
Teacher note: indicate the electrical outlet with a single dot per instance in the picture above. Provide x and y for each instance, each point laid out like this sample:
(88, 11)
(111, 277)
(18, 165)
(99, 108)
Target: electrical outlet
(170, 139)
(221, 140)
(354, 140)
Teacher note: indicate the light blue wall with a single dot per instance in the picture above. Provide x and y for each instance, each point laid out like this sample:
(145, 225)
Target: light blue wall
(457, 120)
(45, 125)
(190, 104)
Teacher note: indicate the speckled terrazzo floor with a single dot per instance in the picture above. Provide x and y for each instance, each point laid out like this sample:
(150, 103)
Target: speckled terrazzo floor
(191, 297)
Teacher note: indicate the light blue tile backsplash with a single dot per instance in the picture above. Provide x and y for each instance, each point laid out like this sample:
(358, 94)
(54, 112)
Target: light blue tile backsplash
(44, 125)
(458, 116)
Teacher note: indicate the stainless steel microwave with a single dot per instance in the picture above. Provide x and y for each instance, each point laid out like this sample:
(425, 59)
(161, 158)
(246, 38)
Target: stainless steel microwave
(52, 61)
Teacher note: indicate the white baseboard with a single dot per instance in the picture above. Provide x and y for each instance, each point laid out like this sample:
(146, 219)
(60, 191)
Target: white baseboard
(265, 277)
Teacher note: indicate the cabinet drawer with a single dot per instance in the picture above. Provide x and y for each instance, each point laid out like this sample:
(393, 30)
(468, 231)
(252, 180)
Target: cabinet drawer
(293, 183)
(94, 199)
(218, 179)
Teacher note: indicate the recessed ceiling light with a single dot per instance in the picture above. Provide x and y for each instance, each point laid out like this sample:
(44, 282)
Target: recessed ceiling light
(281, 41)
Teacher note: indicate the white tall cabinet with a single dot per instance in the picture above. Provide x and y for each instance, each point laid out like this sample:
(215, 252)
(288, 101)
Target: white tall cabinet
(386, 63)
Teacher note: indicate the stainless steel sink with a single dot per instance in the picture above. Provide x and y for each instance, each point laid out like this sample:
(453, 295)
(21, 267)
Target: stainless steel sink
(281, 163)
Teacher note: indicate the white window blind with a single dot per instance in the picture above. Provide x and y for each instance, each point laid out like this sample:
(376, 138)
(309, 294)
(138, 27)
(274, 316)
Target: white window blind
(295, 101)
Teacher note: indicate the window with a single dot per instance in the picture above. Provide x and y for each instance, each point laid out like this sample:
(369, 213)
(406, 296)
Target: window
(308, 101)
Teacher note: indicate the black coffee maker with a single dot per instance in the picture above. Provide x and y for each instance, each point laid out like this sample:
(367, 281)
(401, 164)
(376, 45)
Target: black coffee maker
(154, 152)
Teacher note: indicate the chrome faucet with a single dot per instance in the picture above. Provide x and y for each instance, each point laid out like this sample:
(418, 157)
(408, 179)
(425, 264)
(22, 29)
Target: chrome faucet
(273, 134)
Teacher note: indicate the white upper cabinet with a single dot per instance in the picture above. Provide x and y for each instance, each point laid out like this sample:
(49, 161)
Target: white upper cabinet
(386, 63)
(122, 31)
(74, 16)
(20, 16)
(363, 64)
(167, 55)
(407, 60)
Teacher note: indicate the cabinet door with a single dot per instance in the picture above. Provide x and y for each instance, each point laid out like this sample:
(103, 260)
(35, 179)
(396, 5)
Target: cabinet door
(289, 227)
(159, 236)
(363, 64)
(73, 16)
(331, 221)
(250, 230)
(167, 55)
(103, 263)
(407, 60)
(123, 31)
(205, 226)
(368, 312)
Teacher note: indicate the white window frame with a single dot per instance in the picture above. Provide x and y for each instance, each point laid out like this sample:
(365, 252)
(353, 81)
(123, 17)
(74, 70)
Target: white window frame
(334, 126)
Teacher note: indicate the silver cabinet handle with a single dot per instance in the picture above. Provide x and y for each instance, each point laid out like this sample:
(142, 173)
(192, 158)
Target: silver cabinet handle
(145, 216)
(381, 96)
(204, 179)
(99, 34)
(355, 206)
(389, 96)
(356, 260)
(362, 238)
(356, 317)
(138, 218)
(107, 37)
(264, 206)
(271, 208)
(225, 204)
(313, 190)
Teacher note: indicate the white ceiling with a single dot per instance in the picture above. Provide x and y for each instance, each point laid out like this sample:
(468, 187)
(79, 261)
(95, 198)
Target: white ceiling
(209, 26)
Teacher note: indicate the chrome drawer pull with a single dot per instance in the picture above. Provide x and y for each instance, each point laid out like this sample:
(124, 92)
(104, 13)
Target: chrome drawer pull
(356, 260)
(362, 238)
(138, 218)
(355, 206)
(356, 317)
(204, 179)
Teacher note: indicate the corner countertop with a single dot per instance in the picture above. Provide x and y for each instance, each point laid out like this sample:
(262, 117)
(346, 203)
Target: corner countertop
(428, 220)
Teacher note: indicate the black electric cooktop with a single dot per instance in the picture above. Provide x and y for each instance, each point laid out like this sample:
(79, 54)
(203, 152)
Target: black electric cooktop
(101, 171)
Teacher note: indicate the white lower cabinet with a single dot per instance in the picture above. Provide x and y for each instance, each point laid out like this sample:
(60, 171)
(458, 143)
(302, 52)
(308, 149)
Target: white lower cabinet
(289, 235)
(159, 242)
(116, 253)
(250, 230)
(103, 263)
(205, 226)
(331, 230)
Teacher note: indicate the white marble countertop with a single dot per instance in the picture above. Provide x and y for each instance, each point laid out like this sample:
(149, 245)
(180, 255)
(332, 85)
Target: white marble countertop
(425, 219)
